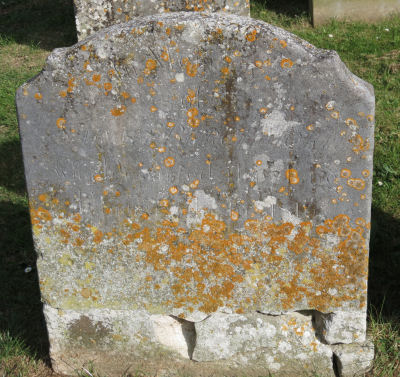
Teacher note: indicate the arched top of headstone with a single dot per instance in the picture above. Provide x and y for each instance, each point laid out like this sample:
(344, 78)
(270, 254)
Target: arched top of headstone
(191, 163)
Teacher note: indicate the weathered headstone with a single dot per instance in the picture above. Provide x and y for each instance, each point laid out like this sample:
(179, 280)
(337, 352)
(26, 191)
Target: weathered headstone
(200, 187)
(94, 15)
(365, 10)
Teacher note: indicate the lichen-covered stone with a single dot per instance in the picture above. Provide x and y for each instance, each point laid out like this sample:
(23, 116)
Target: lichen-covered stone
(342, 327)
(190, 163)
(80, 336)
(354, 360)
(286, 343)
(94, 15)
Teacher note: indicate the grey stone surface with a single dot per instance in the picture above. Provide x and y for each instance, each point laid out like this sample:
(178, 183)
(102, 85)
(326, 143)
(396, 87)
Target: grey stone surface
(366, 10)
(79, 336)
(286, 344)
(342, 327)
(189, 164)
(354, 360)
(94, 15)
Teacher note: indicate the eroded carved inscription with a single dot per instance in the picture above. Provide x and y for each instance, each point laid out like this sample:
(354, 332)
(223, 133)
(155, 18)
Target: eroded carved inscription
(189, 164)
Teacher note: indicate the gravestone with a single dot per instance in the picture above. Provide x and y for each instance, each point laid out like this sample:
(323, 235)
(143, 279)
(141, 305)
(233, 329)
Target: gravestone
(355, 10)
(200, 188)
(92, 16)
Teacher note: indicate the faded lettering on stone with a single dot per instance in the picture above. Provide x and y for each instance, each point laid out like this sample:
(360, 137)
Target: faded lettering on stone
(210, 173)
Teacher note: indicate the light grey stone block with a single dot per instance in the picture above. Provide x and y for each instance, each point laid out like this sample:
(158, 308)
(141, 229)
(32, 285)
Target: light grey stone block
(354, 360)
(286, 343)
(342, 327)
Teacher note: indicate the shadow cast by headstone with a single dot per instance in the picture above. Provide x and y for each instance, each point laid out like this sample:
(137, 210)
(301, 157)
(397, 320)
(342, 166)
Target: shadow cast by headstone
(21, 313)
(11, 167)
(384, 265)
(291, 8)
(44, 23)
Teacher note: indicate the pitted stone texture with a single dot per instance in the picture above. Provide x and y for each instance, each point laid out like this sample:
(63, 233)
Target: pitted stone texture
(76, 336)
(195, 163)
(342, 327)
(354, 360)
(285, 344)
(188, 179)
(94, 15)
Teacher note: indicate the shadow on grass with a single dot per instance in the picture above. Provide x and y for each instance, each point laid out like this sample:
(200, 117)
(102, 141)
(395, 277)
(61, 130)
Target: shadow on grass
(289, 8)
(44, 23)
(21, 312)
(384, 265)
(11, 167)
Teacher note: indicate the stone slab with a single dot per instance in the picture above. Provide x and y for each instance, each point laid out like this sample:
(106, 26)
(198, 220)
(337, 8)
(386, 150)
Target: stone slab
(354, 360)
(190, 164)
(286, 343)
(362, 10)
(342, 327)
(94, 15)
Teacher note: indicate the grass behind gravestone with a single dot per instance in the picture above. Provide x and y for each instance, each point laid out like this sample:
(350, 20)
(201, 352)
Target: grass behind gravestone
(30, 29)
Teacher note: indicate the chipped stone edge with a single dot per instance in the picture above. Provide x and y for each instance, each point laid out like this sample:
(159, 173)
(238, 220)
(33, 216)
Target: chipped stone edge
(170, 337)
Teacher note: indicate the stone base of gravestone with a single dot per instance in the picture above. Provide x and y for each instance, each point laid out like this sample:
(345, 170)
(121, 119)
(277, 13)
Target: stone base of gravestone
(200, 192)
(352, 10)
(118, 341)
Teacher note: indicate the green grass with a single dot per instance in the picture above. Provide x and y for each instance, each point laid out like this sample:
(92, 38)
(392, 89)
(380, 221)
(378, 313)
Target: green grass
(29, 30)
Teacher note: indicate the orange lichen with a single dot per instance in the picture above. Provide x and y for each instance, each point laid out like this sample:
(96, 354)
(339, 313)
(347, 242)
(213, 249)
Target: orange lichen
(38, 96)
(268, 78)
(191, 69)
(98, 236)
(356, 183)
(173, 190)
(258, 162)
(359, 144)
(170, 124)
(345, 173)
(151, 65)
(251, 37)
(61, 123)
(42, 197)
(365, 173)
(77, 218)
(283, 43)
(169, 162)
(118, 111)
(292, 176)
(107, 86)
(164, 203)
(350, 122)
(224, 70)
(234, 216)
(96, 77)
(86, 292)
(98, 178)
(263, 110)
(335, 114)
(286, 63)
